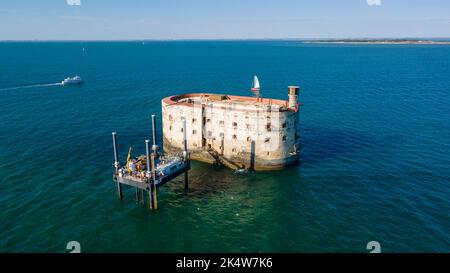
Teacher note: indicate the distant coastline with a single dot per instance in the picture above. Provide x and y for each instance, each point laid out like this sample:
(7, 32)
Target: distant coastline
(381, 41)
(418, 41)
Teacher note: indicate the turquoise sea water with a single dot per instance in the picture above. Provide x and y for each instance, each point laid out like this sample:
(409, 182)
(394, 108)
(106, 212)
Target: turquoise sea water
(375, 156)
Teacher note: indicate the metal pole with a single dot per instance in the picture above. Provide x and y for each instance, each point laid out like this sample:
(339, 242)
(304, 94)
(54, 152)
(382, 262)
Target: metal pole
(184, 139)
(154, 146)
(150, 199)
(153, 184)
(147, 153)
(185, 154)
(116, 160)
(153, 200)
(116, 165)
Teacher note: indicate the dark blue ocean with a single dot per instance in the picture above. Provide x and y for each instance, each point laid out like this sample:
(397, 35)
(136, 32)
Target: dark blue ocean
(375, 154)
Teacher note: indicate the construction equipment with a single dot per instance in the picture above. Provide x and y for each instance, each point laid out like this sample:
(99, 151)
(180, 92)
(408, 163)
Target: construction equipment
(147, 172)
(129, 159)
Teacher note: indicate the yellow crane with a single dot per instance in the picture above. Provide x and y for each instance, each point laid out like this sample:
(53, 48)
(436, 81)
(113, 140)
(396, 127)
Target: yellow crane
(129, 159)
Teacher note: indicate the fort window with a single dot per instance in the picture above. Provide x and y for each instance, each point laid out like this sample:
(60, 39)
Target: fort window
(247, 126)
(221, 122)
(267, 140)
(234, 136)
(233, 150)
(284, 138)
(194, 132)
(194, 120)
(221, 134)
(268, 153)
(234, 124)
(208, 120)
(249, 139)
(170, 127)
(269, 127)
(182, 130)
(283, 125)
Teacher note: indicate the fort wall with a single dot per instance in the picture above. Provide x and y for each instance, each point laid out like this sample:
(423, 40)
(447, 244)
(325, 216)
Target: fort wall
(239, 132)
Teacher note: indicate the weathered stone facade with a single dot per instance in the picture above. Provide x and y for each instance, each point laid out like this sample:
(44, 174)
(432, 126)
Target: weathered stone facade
(239, 132)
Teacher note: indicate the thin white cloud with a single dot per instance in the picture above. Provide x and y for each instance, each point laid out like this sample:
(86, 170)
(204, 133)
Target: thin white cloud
(73, 2)
(374, 2)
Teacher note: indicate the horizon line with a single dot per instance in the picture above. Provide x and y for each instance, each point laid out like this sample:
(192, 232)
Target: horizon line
(222, 39)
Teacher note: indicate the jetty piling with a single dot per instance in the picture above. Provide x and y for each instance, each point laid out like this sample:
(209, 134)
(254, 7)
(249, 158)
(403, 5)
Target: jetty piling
(150, 176)
(154, 146)
(116, 164)
(185, 153)
(153, 201)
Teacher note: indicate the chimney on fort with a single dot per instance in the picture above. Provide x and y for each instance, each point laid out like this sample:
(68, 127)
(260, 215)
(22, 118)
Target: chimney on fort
(293, 96)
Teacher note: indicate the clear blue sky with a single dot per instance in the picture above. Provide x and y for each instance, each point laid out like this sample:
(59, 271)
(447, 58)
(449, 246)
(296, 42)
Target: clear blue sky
(222, 19)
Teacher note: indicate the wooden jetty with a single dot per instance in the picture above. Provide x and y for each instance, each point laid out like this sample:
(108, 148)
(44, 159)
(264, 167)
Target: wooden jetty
(149, 171)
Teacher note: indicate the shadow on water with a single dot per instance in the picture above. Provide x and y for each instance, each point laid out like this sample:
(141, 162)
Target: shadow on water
(206, 179)
(318, 144)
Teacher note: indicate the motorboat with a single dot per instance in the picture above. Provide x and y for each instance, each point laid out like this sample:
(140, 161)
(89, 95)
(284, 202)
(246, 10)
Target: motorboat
(72, 80)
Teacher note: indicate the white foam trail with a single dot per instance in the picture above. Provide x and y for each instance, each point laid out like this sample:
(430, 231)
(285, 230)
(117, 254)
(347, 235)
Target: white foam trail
(31, 86)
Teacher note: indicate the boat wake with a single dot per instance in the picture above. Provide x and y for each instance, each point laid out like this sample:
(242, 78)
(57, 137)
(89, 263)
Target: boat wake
(31, 86)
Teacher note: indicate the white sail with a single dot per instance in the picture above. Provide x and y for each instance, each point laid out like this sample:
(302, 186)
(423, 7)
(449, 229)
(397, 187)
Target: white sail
(256, 85)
